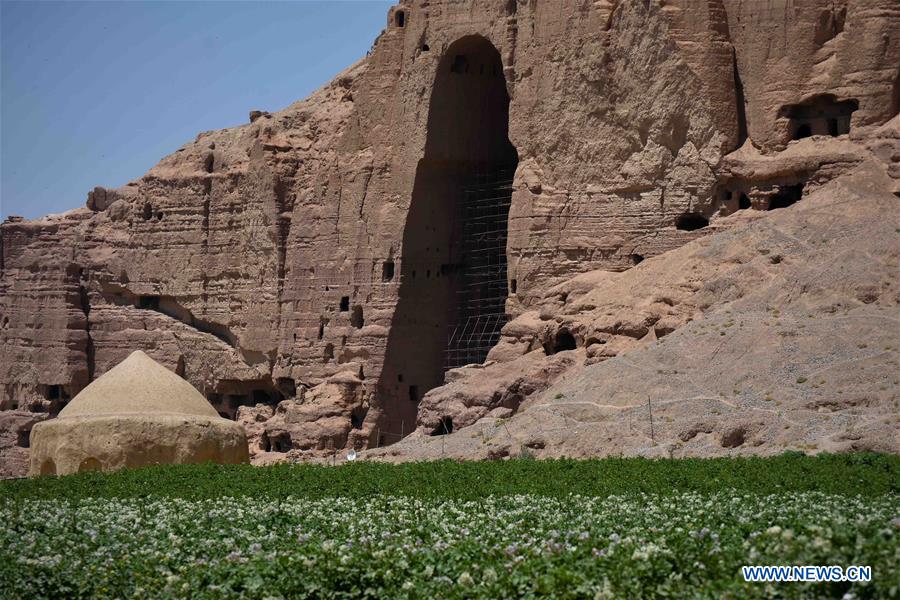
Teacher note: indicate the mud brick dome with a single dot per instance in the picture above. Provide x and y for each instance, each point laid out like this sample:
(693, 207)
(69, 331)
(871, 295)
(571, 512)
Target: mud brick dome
(138, 413)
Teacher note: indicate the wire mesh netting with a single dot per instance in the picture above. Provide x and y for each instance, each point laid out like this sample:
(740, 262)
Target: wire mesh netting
(483, 289)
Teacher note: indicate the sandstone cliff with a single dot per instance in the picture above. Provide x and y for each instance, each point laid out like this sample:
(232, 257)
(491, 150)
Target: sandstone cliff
(315, 271)
(778, 333)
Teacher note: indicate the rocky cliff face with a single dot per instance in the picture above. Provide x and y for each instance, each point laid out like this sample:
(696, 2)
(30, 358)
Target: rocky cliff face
(776, 333)
(316, 271)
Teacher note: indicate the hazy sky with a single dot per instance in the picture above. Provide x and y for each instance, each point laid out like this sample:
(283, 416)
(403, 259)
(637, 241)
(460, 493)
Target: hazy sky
(95, 93)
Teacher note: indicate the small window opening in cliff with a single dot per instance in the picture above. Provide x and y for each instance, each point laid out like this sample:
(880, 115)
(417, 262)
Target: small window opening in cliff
(345, 303)
(321, 333)
(636, 259)
(148, 211)
(444, 427)
(744, 202)
(820, 115)
(387, 270)
(400, 18)
(356, 318)
(148, 302)
(425, 48)
(53, 392)
(23, 438)
(357, 417)
(264, 442)
(413, 393)
(48, 467)
(786, 196)
(329, 352)
(691, 222)
(513, 286)
(563, 341)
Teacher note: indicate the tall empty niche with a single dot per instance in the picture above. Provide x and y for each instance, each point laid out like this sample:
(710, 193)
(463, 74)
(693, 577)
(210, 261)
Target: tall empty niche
(453, 283)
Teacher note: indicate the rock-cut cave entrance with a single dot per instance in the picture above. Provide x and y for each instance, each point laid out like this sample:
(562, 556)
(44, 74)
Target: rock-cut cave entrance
(453, 276)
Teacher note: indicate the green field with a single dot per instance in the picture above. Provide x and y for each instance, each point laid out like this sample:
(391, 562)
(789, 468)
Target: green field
(614, 528)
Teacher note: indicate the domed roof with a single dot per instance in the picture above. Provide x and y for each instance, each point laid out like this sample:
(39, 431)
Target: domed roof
(139, 384)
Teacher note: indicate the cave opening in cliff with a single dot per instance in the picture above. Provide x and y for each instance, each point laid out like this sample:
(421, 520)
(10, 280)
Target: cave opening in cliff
(387, 271)
(691, 222)
(562, 341)
(356, 317)
(786, 196)
(148, 302)
(820, 115)
(230, 395)
(280, 441)
(445, 426)
(455, 232)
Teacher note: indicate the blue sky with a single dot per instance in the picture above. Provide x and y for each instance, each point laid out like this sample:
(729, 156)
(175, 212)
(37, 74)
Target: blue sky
(95, 93)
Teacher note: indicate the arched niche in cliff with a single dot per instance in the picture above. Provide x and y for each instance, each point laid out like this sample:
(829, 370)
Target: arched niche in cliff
(455, 232)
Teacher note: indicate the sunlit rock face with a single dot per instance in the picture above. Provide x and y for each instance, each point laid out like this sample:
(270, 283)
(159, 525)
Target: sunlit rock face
(334, 259)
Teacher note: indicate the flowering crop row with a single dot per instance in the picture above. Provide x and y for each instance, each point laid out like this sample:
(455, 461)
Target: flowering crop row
(630, 546)
(865, 474)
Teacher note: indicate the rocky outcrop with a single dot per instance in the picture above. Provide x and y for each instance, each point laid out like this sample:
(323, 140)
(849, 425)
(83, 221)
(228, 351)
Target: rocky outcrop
(270, 263)
(780, 334)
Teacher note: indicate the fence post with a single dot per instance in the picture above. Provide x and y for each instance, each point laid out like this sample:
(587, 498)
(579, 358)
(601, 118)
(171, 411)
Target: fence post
(650, 408)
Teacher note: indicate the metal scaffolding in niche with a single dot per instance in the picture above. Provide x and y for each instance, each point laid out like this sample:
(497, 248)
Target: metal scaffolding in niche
(482, 288)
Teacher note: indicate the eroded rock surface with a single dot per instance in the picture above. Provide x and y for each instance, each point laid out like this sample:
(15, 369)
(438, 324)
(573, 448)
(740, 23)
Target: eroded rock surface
(781, 333)
(272, 263)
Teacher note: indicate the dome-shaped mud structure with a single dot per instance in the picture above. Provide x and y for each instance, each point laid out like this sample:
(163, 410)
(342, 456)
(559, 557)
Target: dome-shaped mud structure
(138, 413)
